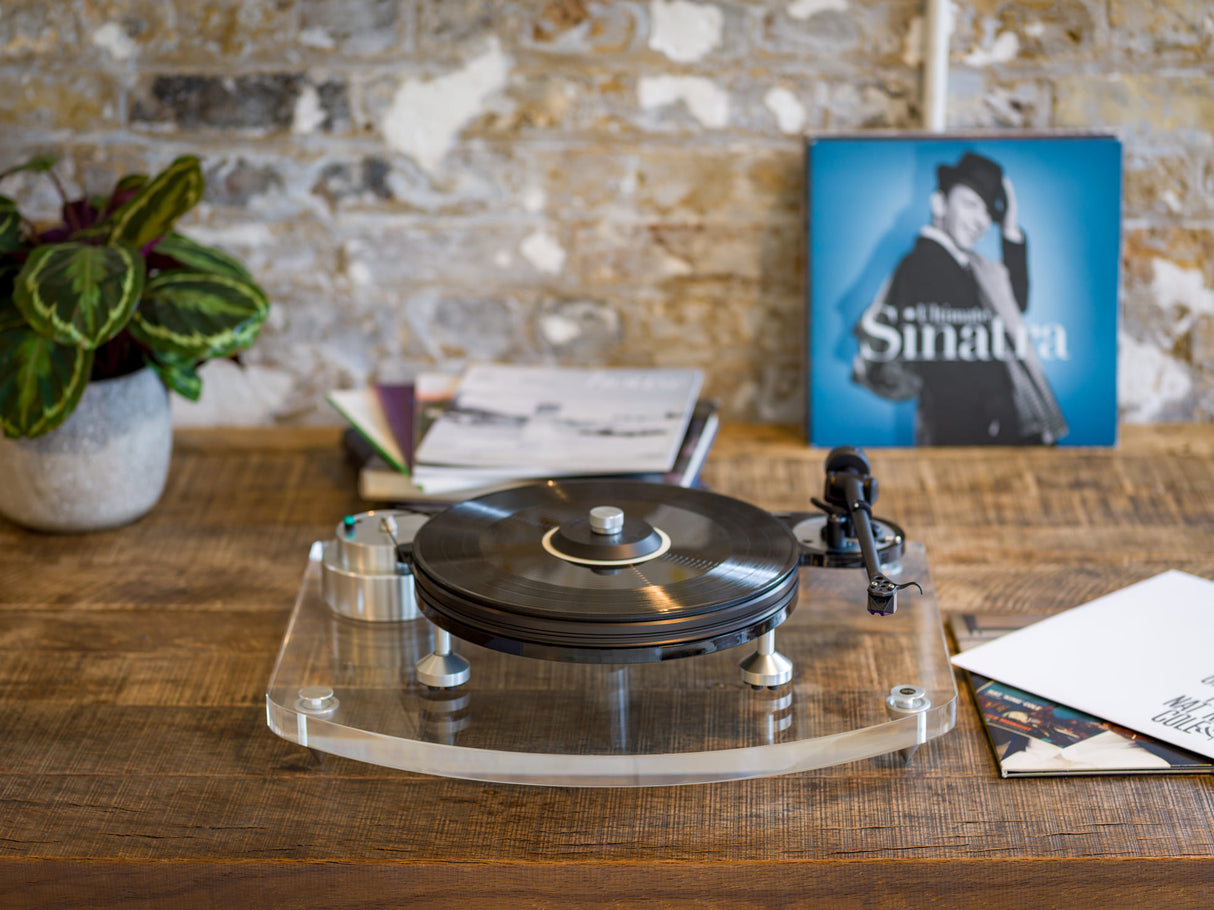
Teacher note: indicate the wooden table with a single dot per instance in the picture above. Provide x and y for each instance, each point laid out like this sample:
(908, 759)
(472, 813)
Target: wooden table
(136, 767)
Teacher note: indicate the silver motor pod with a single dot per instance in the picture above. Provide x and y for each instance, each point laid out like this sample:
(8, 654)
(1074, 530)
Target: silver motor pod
(361, 574)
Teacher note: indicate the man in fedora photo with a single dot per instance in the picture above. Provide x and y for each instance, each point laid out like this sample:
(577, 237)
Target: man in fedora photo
(947, 327)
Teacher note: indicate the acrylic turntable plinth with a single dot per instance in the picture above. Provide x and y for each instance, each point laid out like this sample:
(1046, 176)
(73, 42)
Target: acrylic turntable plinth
(601, 633)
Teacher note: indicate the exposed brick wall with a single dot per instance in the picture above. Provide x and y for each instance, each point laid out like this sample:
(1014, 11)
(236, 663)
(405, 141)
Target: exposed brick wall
(589, 182)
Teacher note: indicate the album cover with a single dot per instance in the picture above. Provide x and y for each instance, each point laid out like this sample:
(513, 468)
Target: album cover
(1033, 736)
(963, 289)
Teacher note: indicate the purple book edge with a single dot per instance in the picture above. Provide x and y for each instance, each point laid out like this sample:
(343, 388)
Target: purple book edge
(397, 403)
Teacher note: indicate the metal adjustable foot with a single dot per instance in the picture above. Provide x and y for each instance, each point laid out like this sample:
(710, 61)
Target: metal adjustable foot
(442, 668)
(909, 701)
(767, 666)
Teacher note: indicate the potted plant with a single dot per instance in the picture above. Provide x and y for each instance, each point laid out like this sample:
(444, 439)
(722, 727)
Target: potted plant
(99, 314)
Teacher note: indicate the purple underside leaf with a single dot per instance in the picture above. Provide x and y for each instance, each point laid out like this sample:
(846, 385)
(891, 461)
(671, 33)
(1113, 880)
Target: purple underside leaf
(79, 214)
(158, 262)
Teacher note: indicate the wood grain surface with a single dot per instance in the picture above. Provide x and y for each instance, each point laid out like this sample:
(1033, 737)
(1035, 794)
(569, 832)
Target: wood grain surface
(136, 768)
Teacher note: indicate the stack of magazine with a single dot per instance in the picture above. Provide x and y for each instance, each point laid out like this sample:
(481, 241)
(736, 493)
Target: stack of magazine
(447, 437)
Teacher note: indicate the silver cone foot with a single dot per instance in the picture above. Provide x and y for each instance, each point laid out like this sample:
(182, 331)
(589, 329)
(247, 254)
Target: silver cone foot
(766, 669)
(443, 671)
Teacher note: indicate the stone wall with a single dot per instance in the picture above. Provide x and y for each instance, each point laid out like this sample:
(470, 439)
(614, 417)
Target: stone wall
(590, 182)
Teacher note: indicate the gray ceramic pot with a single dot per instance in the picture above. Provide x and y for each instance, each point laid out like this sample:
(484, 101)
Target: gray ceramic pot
(105, 466)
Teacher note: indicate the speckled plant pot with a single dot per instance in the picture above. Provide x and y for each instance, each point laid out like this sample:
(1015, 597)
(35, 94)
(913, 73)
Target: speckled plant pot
(105, 466)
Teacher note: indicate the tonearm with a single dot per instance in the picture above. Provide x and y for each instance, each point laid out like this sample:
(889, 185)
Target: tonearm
(848, 499)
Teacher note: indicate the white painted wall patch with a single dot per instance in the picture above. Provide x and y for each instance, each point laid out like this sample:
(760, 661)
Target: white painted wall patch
(1003, 49)
(543, 252)
(803, 9)
(683, 31)
(534, 199)
(706, 100)
(113, 38)
(1171, 285)
(790, 113)
(427, 115)
(308, 114)
(317, 37)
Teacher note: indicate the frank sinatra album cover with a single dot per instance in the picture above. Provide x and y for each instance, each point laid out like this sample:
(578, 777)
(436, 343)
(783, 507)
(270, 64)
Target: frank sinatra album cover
(963, 290)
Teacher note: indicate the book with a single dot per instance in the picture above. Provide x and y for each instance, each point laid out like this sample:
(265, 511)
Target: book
(397, 401)
(550, 421)
(380, 482)
(364, 412)
(389, 418)
(962, 289)
(1033, 736)
(1139, 657)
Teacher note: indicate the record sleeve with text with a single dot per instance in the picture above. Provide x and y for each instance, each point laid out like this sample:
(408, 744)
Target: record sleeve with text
(1139, 657)
(1033, 736)
(963, 289)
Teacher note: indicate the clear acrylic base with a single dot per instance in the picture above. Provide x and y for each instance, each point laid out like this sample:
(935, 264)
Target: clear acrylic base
(349, 687)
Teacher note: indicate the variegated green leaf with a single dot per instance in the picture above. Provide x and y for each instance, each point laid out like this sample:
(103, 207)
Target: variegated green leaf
(130, 182)
(189, 314)
(162, 200)
(40, 381)
(124, 192)
(10, 226)
(180, 374)
(198, 258)
(79, 294)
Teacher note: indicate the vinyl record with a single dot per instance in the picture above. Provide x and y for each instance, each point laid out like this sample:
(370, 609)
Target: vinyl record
(686, 572)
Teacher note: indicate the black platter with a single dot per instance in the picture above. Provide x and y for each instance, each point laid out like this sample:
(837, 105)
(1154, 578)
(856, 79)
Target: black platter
(524, 572)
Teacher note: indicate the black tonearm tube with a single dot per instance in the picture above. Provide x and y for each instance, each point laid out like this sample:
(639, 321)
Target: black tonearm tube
(850, 493)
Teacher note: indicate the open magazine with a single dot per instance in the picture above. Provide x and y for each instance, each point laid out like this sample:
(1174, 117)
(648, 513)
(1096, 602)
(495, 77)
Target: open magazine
(549, 421)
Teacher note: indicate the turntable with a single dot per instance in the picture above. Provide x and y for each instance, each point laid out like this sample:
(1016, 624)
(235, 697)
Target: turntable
(603, 633)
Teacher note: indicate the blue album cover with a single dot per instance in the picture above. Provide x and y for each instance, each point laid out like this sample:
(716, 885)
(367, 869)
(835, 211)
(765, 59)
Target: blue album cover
(963, 290)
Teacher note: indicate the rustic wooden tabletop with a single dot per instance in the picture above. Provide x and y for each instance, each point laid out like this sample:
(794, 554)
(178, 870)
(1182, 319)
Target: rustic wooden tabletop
(136, 768)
